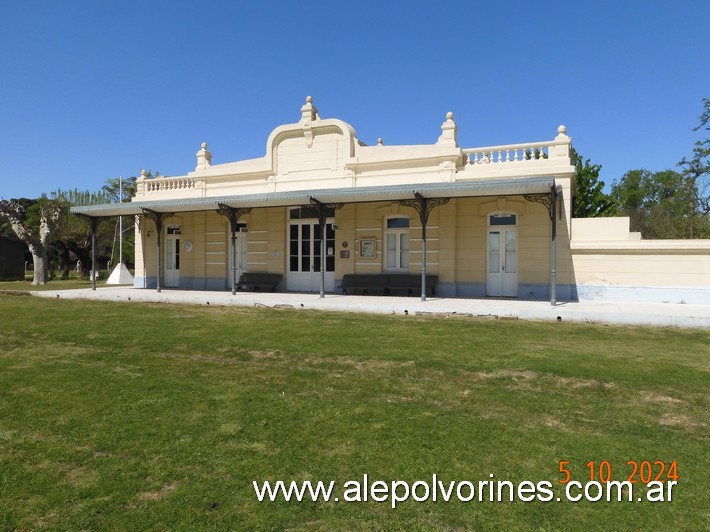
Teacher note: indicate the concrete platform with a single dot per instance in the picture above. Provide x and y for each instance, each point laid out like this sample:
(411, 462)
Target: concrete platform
(620, 313)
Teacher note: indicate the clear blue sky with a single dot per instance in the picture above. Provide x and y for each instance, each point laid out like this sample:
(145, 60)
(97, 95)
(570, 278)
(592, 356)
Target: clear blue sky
(91, 90)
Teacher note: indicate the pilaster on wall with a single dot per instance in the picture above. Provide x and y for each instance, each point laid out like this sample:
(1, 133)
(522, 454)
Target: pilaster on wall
(470, 242)
(139, 253)
(276, 223)
(564, 185)
(447, 244)
(198, 244)
(345, 241)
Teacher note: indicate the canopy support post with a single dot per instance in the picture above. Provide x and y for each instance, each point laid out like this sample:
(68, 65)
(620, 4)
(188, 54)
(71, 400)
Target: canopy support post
(322, 212)
(233, 214)
(424, 206)
(93, 228)
(549, 200)
(158, 218)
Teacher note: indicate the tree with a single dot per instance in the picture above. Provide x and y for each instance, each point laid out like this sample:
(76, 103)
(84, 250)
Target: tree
(669, 204)
(82, 197)
(121, 190)
(660, 204)
(73, 242)
(698, 167)
(34, 222)
(590, 201)
(73, 237)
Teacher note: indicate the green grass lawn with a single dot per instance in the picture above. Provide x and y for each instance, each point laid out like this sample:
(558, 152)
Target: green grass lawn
(54, 284)
(154, 416)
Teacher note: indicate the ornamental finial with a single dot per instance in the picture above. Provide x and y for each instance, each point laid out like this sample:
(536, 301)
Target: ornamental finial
(204, 158)
(448, 131)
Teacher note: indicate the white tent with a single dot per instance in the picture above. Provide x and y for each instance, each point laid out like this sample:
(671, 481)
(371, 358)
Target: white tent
(120, 275)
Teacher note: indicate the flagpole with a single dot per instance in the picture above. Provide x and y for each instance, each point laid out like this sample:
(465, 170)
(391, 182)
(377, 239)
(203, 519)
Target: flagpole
(120, 274)
(120, 221)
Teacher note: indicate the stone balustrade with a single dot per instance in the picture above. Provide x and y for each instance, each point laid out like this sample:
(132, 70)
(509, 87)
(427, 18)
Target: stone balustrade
(169, 183)
(509, 153)
(513, 153)
(147, 185)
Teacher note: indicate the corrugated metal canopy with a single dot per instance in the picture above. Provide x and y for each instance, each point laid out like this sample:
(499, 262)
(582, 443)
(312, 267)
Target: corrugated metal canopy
(493, 187)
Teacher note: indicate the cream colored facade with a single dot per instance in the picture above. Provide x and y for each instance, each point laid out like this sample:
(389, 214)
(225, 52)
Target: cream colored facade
(611, 263)
(492, 213)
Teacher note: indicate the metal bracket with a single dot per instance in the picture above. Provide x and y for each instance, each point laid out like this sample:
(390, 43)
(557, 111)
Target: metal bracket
(321, 208)
(423, 205)
(157, 217)
(546, 200)
(233, 214)
(93, 220)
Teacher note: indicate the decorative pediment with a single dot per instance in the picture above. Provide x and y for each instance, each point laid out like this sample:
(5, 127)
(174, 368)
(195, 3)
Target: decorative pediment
(311, 144)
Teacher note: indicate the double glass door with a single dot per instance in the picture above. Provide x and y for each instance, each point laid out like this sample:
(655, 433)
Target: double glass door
(502, 276)
(306, 253)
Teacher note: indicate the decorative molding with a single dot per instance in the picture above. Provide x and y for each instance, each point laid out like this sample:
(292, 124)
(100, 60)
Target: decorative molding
(502, 205)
